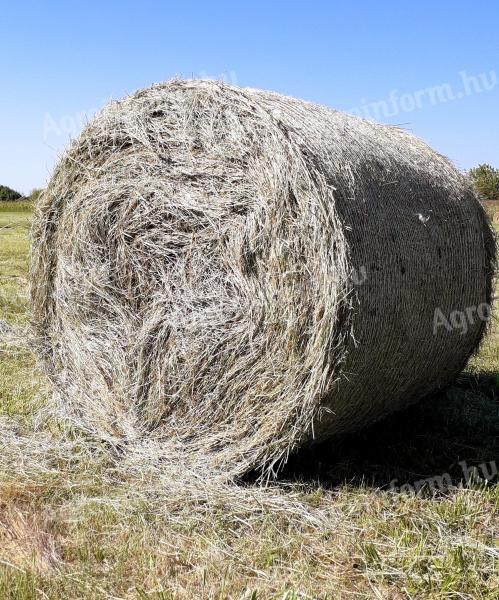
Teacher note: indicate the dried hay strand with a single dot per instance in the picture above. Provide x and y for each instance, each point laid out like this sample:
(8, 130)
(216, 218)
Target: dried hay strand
(229, 274)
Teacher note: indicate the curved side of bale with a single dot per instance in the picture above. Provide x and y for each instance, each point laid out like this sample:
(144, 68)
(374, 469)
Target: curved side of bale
(235, 273)
(422, 256)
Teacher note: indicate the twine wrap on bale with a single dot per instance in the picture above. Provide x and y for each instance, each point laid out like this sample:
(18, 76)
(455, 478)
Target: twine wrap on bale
(234, 273)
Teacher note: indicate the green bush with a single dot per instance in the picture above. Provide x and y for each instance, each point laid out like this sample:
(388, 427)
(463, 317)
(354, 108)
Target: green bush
(486, 180)
(8, 194)
(34, 195)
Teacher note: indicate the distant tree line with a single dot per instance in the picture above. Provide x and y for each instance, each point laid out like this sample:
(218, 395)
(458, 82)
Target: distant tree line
(7, 194)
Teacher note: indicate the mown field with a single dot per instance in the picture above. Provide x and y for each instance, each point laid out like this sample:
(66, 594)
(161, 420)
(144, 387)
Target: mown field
(75, 523)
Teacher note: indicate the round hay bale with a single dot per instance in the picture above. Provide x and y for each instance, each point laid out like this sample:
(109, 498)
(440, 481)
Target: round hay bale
(235, 273)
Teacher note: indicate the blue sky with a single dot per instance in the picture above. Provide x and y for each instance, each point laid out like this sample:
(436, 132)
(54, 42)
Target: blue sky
(430, 67)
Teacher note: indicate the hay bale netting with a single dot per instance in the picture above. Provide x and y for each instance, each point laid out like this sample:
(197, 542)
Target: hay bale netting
(235, 273)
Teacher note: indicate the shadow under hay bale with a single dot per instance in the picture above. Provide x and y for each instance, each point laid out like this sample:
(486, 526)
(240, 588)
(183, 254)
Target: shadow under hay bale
(234, 274)
(443, 437)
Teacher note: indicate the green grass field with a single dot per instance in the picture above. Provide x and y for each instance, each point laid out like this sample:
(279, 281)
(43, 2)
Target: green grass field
(73, 525)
